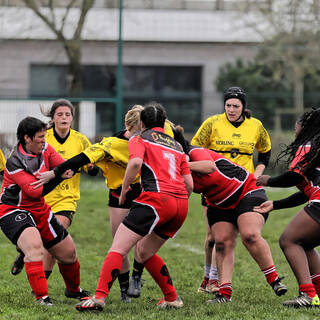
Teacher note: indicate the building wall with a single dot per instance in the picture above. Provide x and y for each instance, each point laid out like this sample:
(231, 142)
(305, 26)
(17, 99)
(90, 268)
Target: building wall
(16, 56)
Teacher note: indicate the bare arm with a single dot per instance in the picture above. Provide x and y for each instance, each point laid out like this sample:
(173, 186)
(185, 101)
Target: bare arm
(189, 183)
(203, 166)
(259, 170)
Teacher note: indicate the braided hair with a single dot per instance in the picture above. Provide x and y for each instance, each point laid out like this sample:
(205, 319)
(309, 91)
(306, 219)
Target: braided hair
(153, 115)
(309, 135)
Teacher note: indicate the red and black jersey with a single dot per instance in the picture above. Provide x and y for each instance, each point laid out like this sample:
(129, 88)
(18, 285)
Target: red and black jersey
(310, 188)
(164, 162)
(226, 186)
(21, 170)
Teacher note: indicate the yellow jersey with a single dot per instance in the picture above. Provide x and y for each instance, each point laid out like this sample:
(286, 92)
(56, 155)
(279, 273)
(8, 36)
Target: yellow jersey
(2, 161)
(235, 143)
(112, 156)
(66, 194)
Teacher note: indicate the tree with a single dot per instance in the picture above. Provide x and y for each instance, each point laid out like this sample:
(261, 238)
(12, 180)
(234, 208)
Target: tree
(291, 41)
(72, 45)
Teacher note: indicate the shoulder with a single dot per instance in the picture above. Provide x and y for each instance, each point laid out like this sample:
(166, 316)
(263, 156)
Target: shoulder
(255, 122)
(79, 136)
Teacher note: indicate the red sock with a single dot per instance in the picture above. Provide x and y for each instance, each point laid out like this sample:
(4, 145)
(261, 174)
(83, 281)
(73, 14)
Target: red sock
(109, 272)
(316, 282)
(37, 278)
(71, 275)
(159, 272)
(226, 289)
(270, 274)
(308, 289)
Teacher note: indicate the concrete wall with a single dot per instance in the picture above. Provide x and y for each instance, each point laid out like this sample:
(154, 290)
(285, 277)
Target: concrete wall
(16, 56)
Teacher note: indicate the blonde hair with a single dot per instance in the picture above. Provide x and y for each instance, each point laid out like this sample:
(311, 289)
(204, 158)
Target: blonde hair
(132, 117)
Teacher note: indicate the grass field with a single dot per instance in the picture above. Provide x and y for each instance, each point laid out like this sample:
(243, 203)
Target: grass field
(253, 298)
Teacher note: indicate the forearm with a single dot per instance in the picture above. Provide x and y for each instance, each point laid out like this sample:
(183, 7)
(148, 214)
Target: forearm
(74, 164)
(259, 169)
(49, 186)
(294, 200)
(287, 179)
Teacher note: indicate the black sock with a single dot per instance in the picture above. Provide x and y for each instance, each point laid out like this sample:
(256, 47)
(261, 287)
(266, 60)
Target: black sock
(47, 273)
(123, 279)
(137, 268)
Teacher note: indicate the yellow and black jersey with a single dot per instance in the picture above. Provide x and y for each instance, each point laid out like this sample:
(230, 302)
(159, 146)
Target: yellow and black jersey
(235, 143)
(112, 156)
(2, 161)
(65, 195)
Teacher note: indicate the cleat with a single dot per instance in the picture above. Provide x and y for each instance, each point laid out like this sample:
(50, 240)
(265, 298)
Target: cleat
(135, 285)
(90, 304)
(77, 295)
(203, 285)
(18, 264)
(45, 301)
(212, 286)
(219, 299)
(278, 287)
(124, 296)
(163, 304)
(303, 301)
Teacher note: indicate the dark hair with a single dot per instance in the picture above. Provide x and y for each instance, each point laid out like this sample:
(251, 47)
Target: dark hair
(29, 126)
(56, 104)
(237, 93)
(153, 115)
(309, 135)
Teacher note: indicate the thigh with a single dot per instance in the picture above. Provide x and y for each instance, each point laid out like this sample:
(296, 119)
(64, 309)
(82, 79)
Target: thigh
(250, 223)
(148, 246)
(303, 229)
(124, 240)
(65, 217)
(116, 217)
(64, 250)
(29, 238)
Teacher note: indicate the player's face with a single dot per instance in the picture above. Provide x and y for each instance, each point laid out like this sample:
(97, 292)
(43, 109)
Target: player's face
(233, 108)
(36, 144)
(297, 128)
(62, 118)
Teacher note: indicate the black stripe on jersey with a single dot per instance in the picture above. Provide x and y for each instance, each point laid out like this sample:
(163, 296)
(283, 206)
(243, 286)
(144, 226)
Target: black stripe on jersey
(11, 195)
(234, 152)
(231, 170)
(149, 181)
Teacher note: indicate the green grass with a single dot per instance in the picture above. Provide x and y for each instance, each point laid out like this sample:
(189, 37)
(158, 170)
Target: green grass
(252, 296)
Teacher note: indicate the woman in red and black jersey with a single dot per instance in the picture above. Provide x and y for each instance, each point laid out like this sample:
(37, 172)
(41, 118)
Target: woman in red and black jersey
(231, 193)
(302, 235)
(158, 213)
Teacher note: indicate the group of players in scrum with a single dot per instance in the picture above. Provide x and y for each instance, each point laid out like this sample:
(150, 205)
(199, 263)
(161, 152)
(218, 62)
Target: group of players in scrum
(149, 167)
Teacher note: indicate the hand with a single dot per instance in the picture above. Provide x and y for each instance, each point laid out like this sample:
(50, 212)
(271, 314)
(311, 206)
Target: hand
(264, 207)
(90, 166)
(123, 194)
(67, 174)
(262, 180)
(43, 177)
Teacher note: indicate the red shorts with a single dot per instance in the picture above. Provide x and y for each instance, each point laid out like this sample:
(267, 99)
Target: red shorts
(157, 212)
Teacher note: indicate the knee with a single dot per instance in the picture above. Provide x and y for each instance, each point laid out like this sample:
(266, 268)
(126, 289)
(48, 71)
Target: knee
(34, 252)
(250, 238)
(284, 241)
(224, 245)
(141, 254)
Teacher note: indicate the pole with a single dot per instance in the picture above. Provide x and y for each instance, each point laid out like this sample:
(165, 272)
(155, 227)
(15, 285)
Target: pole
(119, 97)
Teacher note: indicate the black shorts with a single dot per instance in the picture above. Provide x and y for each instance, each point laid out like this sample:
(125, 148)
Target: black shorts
(246, 204)
(66, 213)
(203, 201)
(132, 194)
(313, 210)
(16, 222)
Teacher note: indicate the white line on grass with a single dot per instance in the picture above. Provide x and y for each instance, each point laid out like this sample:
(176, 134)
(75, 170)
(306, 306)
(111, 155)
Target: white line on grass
(185, 247)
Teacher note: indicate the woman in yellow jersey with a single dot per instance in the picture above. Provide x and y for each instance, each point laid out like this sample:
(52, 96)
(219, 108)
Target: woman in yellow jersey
(63, 199)
(2, 162)
(234, 134)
